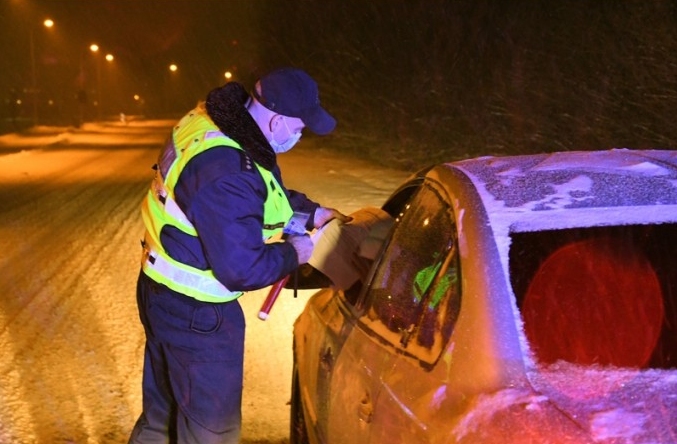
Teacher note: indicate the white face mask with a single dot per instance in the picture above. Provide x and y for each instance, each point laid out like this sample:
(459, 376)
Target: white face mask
(286, 145)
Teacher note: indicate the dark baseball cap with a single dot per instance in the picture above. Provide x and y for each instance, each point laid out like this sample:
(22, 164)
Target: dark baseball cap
(292, 92)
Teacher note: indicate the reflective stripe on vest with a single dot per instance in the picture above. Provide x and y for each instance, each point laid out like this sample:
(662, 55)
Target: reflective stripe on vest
(195, 134)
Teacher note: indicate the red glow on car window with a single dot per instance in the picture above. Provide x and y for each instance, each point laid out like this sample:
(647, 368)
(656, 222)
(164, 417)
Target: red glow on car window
(594, 301)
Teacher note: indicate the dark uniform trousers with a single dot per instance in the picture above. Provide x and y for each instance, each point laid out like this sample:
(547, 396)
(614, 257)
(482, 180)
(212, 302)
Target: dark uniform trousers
(193, 368)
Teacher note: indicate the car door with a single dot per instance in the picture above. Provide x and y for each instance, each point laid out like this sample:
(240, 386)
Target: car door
(323, 338)
(407, 312)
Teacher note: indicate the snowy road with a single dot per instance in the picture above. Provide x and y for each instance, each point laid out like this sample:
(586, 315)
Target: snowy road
(71, 342)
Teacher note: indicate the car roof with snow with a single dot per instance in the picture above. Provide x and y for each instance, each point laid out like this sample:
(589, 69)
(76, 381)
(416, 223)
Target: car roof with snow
(576, 188)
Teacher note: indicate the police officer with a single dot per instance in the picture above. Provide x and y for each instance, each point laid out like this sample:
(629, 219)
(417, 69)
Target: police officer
(216, 198)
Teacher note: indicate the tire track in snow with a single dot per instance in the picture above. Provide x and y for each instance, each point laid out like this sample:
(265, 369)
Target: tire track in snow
(71, 225)
(69, 331)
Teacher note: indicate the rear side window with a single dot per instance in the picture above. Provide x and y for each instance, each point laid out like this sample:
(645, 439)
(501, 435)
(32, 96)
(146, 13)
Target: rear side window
(414, 297)
(600, 295)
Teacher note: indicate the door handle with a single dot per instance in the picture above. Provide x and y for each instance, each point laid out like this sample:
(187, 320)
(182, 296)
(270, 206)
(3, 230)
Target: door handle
(327, 359)
(365, 410)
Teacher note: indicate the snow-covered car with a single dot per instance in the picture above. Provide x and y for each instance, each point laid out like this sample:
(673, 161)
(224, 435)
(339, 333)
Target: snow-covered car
(519, 299)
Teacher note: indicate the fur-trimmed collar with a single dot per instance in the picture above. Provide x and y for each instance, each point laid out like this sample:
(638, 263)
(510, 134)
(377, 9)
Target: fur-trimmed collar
(226, 107)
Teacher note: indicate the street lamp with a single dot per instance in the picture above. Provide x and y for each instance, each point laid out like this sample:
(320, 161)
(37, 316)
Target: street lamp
(47, 23)
(109, 58)
(95, 49)
(171, 90)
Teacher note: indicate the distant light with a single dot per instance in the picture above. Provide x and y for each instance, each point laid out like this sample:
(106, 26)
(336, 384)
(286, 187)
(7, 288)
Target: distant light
(136, 97)
(94, 47)
(173, 67)
(228, 75)
(50, 102)
(109, 57)
(48, 23)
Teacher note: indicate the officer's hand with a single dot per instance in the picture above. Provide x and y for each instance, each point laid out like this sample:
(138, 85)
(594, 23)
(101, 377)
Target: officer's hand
(324, 215)
(303, 246)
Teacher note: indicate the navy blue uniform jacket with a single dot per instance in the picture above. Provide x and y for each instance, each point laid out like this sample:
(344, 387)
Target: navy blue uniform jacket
(222, 194)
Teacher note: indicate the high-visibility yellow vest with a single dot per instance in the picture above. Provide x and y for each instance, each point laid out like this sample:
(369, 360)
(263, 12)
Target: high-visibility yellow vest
(194, 134)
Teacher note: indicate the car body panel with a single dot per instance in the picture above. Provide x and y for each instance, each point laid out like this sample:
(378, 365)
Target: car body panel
(364, 383)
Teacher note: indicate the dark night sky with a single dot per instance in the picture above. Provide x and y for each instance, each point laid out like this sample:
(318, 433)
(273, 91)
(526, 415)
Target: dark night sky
(204, 38)
(451, 77)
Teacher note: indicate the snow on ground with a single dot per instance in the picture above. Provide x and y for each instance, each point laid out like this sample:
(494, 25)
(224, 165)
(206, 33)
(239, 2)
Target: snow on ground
(70, 338)
(69, 333)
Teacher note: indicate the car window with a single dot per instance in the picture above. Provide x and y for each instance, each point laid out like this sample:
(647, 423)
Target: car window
(598, 295)
(414, 296)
